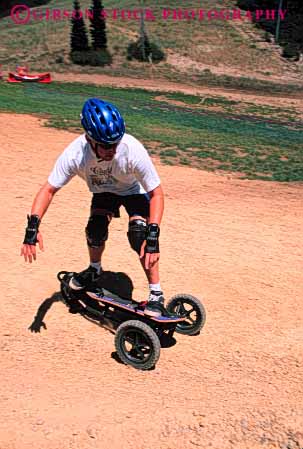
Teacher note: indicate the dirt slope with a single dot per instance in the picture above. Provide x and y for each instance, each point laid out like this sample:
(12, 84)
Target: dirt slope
(235, 244)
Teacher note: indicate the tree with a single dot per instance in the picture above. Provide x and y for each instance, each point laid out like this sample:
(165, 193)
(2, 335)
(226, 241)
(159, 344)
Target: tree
(288, 32)
(98, 26)
(143, 43)
(79, 39)
(143, 50)
(294, 24)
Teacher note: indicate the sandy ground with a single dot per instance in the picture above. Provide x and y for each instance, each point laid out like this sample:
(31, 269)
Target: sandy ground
(235, 244)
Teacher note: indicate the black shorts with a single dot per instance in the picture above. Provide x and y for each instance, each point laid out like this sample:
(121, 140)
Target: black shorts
(110, 203)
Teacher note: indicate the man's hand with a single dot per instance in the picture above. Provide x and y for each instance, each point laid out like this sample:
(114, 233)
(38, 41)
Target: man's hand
(29, 251)
(150, 247)
(150, 259)
(32, 236)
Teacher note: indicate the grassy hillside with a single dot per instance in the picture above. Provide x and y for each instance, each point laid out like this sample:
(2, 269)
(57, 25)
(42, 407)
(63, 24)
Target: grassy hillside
(201, 52)
(216, 134)
(211, 133)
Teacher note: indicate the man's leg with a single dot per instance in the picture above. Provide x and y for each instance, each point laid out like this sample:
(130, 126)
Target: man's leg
(136, 236)
(95, 254)
(96, 234)
(151, 273)
(138, 208)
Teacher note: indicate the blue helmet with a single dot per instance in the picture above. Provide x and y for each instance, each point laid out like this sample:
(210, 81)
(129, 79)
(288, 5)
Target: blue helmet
(102, 121)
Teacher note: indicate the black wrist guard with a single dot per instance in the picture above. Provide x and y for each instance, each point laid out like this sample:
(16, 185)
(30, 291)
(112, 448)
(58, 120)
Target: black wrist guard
(31, 230)
(152, 238)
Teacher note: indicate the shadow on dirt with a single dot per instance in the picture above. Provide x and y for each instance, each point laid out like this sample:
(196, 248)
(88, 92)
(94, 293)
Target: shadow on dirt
(115, 357)
(38, 322)
(117, 283)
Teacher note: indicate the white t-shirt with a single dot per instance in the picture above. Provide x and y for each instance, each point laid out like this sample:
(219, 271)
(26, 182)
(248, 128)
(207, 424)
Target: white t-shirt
(130, 172)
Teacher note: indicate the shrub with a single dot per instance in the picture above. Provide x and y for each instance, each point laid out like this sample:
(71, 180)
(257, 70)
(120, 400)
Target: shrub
(156, 54)
(59, 59)
(145, 51)
(267, 37)
(91, 57)
(291, 51)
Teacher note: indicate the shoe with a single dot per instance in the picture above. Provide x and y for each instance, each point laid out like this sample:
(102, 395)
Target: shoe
(84, 279)
(155, 305)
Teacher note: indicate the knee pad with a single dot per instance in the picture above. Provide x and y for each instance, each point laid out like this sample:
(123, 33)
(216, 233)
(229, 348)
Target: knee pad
(97, 230)
(136, 234)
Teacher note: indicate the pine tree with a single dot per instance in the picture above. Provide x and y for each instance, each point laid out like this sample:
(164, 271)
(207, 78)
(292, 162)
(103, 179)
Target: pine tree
(98, 26)
(290, 32)
(143, 42)
(79, 39)
(143, 49)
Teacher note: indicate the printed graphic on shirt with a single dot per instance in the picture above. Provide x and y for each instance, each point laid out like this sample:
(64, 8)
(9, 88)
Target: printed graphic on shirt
(101, 177)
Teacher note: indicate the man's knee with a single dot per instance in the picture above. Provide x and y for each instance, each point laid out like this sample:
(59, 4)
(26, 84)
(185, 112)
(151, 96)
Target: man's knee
(97, 230)
(136, 233)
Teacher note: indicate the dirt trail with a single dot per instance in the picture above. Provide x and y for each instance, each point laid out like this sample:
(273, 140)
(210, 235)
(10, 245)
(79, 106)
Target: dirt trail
(235, 244)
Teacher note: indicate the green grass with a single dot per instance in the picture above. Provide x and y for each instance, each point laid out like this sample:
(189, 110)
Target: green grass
(186, 135)
(233, 108)
(196, 100)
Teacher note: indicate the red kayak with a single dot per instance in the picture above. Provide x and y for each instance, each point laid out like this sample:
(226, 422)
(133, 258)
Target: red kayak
(22, 76)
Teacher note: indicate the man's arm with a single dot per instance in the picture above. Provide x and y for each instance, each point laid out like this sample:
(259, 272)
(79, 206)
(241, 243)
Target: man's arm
(40, 205)
(156, 205)
(43, 199)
